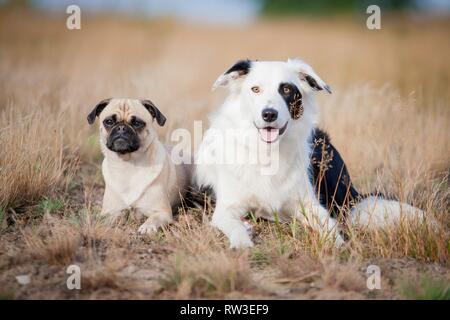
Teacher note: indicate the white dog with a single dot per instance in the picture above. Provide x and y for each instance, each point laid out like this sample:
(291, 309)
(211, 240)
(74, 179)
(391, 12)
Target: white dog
(296, 173)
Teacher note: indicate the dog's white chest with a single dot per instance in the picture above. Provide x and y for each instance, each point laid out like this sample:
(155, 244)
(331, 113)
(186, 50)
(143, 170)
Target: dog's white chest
(129, 181)
(268, 193)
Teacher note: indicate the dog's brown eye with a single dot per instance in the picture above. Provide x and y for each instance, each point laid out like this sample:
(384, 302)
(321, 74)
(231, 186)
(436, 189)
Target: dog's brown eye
(135, 123)
(256, 89)
(108, 122)
(287, 90)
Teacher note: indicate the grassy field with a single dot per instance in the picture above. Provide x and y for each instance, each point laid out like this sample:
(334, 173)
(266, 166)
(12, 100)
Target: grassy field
(389, 116)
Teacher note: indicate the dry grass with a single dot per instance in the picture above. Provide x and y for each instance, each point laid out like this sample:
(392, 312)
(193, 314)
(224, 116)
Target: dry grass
(388, 116)
(55, 240)
(424, 287)
(200, 265)
(33, 162)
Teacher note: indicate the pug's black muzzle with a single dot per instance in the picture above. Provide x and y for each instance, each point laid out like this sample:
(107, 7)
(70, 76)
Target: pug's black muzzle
(123, 139)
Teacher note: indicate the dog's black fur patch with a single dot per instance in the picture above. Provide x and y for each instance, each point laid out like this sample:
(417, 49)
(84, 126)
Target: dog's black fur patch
(312, 83)
(203, 198)
(97, 110)
(330, 176)
(154, 111)
(293, 99)
(242, 67)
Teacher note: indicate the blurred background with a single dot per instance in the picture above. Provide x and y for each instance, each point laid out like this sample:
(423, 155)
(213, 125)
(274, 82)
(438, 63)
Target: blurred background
(389, 113)
(235, 11)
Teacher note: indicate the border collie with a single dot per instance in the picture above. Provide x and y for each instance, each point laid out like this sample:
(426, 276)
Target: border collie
(271, 108)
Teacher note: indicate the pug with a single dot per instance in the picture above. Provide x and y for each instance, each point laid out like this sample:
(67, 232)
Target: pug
(137, 168)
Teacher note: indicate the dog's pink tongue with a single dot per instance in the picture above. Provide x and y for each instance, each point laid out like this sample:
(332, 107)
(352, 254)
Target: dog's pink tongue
(269, 135)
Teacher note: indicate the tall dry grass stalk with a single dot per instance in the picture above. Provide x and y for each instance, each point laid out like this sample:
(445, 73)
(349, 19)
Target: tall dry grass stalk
(34, 158)
(55, 241)
(199, 265)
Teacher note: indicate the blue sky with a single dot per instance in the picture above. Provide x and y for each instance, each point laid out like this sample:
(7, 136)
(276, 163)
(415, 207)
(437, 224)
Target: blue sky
(203, 11)
(210, 11)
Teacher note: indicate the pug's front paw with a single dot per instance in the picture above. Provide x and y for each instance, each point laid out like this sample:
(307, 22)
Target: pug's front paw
(148, 227)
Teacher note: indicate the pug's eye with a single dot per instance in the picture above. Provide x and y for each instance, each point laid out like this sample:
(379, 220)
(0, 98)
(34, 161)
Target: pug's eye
(137, 124)
(108, 122)
(256, 89)
(286, 90)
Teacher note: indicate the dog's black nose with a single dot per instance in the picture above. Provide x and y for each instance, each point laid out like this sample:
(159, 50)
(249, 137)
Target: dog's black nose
(121, 128)
(269, 115)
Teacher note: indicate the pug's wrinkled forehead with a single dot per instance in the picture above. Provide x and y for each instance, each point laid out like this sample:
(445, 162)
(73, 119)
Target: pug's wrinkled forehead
(125, 109)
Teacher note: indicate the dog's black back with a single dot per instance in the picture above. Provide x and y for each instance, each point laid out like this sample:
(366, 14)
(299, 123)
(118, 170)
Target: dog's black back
(329, 174)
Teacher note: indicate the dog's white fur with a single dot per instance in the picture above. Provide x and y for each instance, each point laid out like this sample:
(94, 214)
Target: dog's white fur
(289, 193)
(374, 212)
(242, 187)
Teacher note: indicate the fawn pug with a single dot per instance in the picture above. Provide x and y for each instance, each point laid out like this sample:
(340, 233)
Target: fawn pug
(137, 168)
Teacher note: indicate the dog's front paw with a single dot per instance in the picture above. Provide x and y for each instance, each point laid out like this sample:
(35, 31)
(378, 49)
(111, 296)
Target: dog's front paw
(148, 228)
(240, 240)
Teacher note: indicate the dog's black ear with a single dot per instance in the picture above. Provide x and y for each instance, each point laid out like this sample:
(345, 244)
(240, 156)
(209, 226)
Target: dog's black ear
(238, 70)
(154, 111)
(307, 74)
(97, 110)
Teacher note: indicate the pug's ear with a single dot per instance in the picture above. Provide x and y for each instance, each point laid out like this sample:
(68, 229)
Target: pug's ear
(154, 111)
(97, 110)
(238, 70)
(307, 74)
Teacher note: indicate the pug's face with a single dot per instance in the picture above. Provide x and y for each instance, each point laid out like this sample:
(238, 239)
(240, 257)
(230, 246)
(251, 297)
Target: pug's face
(126, 125)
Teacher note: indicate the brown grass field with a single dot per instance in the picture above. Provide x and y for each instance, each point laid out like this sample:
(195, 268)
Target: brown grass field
(389, 116)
